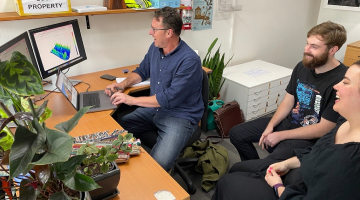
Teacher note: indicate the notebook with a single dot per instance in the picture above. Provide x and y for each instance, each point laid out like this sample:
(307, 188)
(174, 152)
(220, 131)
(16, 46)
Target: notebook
(98, 99)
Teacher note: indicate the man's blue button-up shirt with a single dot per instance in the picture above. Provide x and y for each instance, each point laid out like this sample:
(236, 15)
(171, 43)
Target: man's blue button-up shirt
(175, 79)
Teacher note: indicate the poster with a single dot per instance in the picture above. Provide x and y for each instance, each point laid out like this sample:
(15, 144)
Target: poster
(203, 14)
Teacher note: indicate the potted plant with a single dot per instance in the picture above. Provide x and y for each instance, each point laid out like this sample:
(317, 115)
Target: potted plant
(37, 154)
(41, 157)
(217, 64)
(101, 166)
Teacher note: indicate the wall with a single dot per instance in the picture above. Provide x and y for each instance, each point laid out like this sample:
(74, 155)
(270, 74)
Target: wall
(349, 19)
(262, 30)
(273, 31)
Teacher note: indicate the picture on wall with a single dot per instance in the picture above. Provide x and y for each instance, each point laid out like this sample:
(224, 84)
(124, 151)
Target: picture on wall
(343, 4)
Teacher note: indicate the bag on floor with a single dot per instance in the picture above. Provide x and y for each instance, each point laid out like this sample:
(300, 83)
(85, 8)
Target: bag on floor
(227, 117)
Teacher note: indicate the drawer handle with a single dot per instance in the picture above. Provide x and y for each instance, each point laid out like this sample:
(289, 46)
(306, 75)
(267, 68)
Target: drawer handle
(256, 93)
(257, 99)
(256, 105)
(254, 112)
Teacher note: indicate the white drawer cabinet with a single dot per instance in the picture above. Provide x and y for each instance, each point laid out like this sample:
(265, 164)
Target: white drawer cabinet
(258, 86)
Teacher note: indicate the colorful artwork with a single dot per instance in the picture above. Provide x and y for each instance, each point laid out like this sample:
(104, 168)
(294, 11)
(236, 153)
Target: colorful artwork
(203, 14)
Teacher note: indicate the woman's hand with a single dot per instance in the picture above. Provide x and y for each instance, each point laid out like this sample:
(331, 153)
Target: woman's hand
(280, 168)
(272, 177)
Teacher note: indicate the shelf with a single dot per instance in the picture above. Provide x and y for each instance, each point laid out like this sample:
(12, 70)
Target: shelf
(10, 16)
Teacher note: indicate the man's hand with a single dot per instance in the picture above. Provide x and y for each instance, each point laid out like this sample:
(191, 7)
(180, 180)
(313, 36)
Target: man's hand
(266, 132)
(273, 139)
(111, 89)
(119, 97)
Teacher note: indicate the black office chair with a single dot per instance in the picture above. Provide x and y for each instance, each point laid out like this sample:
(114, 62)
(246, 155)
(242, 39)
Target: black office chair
(149, 140)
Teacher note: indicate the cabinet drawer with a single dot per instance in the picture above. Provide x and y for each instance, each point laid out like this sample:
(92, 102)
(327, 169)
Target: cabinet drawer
(283, 81)
(277, 89)
(260, 99)
(258, 89)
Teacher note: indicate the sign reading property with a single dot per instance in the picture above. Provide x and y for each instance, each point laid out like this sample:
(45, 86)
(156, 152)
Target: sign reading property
(45, 6)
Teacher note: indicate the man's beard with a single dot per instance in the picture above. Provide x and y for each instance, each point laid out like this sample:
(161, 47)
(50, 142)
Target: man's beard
(315, 62)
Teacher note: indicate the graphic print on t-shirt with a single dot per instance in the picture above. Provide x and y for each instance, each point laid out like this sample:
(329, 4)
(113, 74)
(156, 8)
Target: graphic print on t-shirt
(306, 111)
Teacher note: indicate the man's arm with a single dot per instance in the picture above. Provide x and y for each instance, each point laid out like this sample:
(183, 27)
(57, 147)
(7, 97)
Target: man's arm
(283, 110)
(130, 80)
(149, 102)
(307, 132)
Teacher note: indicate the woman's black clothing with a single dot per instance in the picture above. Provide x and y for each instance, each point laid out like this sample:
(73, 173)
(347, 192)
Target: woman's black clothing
(329, 171)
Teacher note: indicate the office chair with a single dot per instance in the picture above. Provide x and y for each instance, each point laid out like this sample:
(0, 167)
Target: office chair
(149, 140)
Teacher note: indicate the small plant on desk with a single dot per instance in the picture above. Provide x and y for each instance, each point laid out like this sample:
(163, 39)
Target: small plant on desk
(99, 156)
(99, 164)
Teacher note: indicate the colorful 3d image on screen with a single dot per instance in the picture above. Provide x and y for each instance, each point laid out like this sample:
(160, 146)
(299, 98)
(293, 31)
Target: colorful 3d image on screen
(61, 51)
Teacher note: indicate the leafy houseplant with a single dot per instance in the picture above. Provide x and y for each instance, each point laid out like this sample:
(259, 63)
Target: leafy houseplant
(217, 65)
(40, 154)
(43, 156)
(99, 164)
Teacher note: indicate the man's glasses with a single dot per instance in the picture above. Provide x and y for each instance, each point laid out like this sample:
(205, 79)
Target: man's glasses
(158, 29)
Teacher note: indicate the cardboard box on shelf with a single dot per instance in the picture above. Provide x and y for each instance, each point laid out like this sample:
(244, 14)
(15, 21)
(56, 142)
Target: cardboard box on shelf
(36, 7)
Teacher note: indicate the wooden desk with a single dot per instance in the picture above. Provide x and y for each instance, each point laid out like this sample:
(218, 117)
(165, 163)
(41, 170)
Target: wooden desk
(141, 176)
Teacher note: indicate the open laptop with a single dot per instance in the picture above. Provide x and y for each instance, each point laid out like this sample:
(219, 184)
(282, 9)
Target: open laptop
(98, 99)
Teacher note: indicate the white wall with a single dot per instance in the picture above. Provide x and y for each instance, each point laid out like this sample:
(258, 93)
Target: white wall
(274, 31)
(349, 19)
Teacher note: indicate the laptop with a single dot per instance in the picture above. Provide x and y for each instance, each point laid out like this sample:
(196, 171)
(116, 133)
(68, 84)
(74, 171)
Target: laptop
(98, 99)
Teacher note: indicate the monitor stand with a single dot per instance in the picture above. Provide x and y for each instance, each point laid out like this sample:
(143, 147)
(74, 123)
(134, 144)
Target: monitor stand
(52, 87)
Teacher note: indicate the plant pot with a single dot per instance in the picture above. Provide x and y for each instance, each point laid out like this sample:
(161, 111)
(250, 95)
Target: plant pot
(108, 183)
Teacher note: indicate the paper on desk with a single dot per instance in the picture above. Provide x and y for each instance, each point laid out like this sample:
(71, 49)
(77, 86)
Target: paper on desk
(146, 82)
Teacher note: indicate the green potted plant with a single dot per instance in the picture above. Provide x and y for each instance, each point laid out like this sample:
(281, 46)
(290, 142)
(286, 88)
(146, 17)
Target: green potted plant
(217, 64)
(41, 156)
(100, 165)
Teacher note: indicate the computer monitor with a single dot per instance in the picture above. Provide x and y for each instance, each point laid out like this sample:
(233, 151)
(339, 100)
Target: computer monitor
(21, 44)
(57, 47)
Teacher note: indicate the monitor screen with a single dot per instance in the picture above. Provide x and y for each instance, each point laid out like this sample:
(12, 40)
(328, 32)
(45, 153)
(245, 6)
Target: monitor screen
(57, 47)
(19, 44)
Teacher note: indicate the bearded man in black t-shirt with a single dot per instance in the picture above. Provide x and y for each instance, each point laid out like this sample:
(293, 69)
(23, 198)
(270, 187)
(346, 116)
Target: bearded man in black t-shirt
(306, 112)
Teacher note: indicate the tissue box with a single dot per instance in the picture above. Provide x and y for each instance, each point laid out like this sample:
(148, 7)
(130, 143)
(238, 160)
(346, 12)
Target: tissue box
(163, 3)
(36, 7)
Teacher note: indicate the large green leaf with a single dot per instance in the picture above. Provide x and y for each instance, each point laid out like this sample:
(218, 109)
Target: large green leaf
(4, 97)
(69, 166)
(27, 191)
(42, 111)
(60, 196)
(23, 150)
(7, 141)
(19, 76)
(59, 147)
(69, 125)
(80, 182)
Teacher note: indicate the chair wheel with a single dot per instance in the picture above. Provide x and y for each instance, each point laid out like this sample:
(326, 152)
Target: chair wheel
(192, 190)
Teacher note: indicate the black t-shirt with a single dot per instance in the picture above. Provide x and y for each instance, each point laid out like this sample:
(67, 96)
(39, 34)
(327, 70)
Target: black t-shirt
(314, 95)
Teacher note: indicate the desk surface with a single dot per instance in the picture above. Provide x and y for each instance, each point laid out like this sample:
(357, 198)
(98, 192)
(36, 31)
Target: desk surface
(141, 176)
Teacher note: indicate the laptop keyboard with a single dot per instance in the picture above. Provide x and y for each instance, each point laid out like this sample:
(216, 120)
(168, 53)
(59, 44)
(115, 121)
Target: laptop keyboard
(91, 99)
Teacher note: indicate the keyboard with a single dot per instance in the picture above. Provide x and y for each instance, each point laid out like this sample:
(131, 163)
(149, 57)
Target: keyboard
(91, 99)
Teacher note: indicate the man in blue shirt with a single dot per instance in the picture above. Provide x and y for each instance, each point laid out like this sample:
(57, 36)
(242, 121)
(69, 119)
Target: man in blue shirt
(175, 104)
